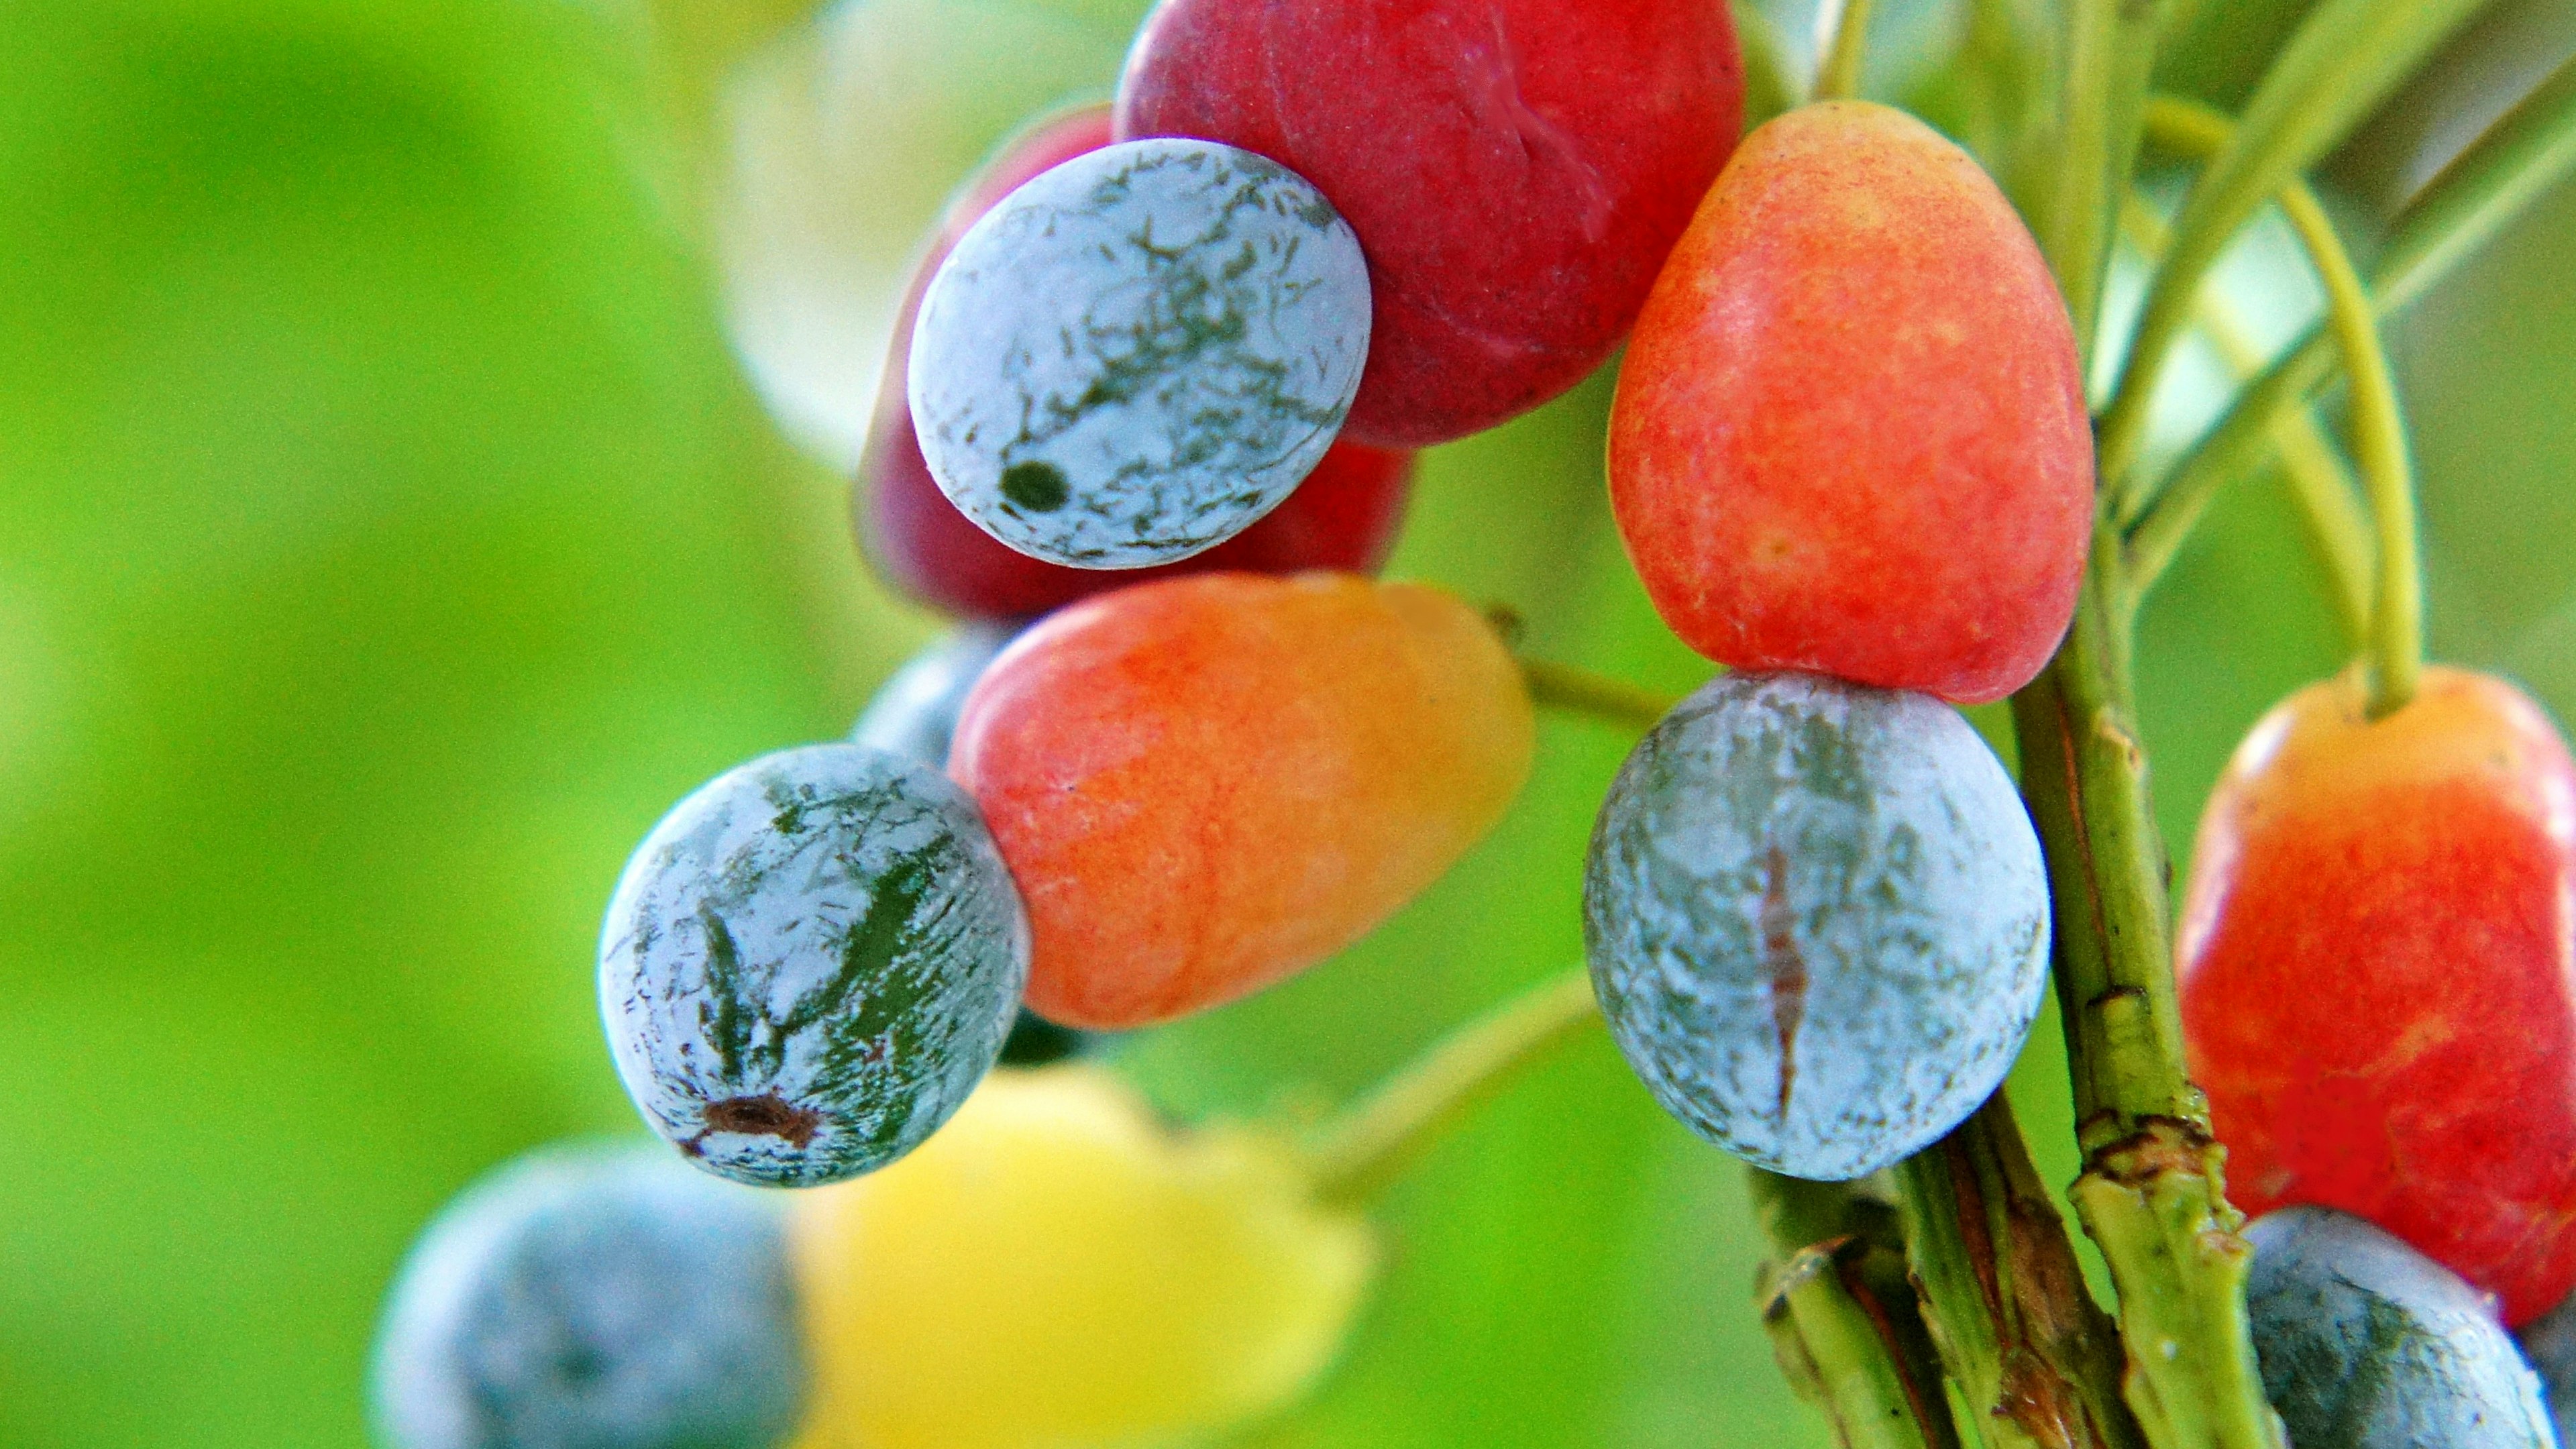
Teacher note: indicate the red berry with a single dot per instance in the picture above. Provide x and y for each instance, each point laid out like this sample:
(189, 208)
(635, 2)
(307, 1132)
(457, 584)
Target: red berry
(1344, 516)
(1205, 785)
(1850, 435)
(2378, 971)
(1516, 169)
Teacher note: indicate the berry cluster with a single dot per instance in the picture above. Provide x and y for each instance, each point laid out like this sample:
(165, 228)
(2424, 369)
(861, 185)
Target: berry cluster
(1147, 426)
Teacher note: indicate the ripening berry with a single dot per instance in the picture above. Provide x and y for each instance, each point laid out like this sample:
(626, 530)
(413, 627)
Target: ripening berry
(1207, 784)
(2378, 974)
(1059, 1268)
(593, 1298)
(1817, 920)
(809, 963)
(2367, 1344)
(914, 712)
(1344, 516)
(1850, 434)
(1516, 169)
(1136, 355)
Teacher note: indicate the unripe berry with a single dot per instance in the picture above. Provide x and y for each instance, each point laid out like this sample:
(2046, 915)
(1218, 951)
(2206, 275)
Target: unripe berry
(1059, 1268)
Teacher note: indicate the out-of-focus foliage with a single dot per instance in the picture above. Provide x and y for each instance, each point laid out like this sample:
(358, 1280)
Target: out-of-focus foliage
(387, 535)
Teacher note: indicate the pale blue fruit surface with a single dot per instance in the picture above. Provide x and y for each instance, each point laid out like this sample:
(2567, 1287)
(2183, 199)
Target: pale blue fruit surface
(1817, 920)
(810, 962)
(914, 713)
(2368, 1344)
(601, 1297)
(1139, 353)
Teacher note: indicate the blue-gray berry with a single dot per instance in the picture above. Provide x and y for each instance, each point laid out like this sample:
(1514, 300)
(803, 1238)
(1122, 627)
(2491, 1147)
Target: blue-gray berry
(914, 712)
(1817, 920)
(593, 1298)
(1139, 353)
(2367, 1344)
(810, 962)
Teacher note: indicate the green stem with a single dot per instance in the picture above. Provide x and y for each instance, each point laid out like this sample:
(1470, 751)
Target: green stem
(2109, 49)
(1370, 1143)
(2379, 434)
(2320, 481)
(2379, 427)
(2037, 1361)
(2518, 159)
(1843, 1319)
(1842, 42)
(2345, 58)
(1580, 691)
(2151, 1194)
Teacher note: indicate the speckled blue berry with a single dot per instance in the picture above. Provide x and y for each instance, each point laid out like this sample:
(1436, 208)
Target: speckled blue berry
(593, 1298)
(2367, 1344)
(809, 963)
(1816, 919)
(1139, 353)
(914, 713)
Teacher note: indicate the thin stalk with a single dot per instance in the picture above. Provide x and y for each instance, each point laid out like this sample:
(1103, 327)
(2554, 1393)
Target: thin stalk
(2320, 481)
(1580, 691)
(2387, 470)
(2396, 636)
(2343, 60)
(2109, 49)
(1370, 1143)
(2036, 1360)
(2518, 160)
(1842, 43)
(1843, 1319)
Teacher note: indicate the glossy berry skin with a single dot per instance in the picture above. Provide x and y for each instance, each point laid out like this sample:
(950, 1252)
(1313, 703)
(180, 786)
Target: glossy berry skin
(1208, 784)
(914, 713)
(1849, 436)
(1134, 356)
(1817, 920)
(2378, 974)
(2367, 1344)
(1124, 1282)
(593, 1298)
(1515, 169)
(1344, 516)
(809, 963)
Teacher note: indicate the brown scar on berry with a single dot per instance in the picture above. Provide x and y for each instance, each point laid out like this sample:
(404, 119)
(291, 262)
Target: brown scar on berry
(1782, 963)
(767, 1115)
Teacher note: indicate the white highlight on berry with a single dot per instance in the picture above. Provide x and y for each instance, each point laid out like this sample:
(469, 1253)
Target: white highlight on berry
(1139, 353)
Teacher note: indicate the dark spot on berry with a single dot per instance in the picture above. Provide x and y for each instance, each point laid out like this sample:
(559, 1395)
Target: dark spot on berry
(767, 1115)
(1782, 962)
(1036, 487)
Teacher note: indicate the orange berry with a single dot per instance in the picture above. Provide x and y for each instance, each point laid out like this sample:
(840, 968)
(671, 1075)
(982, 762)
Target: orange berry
(1208, 784)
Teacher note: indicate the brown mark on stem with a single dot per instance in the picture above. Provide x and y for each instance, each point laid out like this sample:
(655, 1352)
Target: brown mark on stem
(1786, 968)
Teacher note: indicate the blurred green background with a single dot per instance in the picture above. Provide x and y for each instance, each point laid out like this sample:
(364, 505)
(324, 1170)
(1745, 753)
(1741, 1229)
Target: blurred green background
(389, 531)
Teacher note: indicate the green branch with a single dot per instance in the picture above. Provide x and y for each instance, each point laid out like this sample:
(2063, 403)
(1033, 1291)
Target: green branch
(1370, 1143)
(2320, 481)
(2343, 60)
(2396, 634)
(2036, 1360)
(2476, 196)
(2109, 49)
(1843, 1319)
